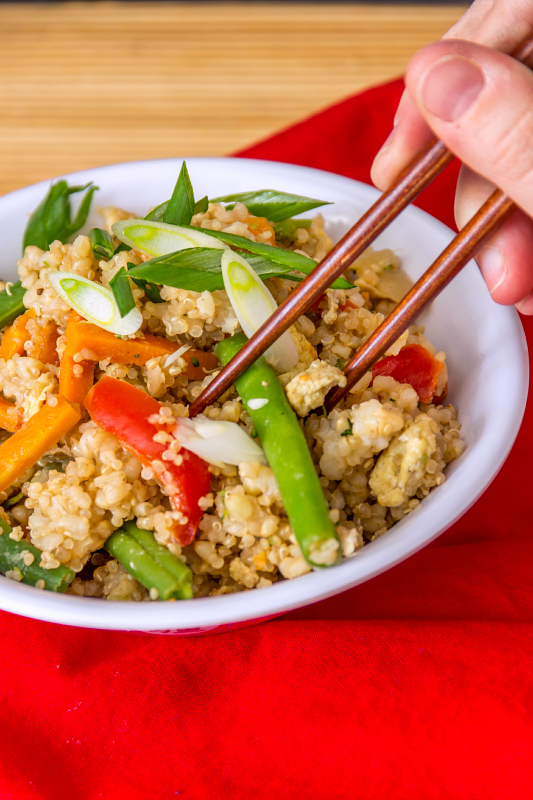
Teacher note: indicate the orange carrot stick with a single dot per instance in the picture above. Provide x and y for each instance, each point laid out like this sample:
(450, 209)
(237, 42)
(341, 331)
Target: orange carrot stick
(84, 337)
(16, 335)
(10, 416)
(75, 377)
(34, 439)
(46, 344)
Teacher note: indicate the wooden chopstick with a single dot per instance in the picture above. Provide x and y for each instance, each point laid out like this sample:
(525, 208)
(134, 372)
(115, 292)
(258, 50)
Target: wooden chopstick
(407, 187)
(488, 219)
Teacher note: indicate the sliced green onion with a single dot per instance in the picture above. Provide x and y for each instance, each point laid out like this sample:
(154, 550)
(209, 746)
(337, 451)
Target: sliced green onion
(13, 500)
(199, 269)
(101, 243)
(201, 206)
(120, 286)
(288, 258)
(218, 441)
(253, 305)
(160, 238)
(157, 214)
(272, 204)
(150, 289)
(180, 207)
(122, 248)
(94, 302)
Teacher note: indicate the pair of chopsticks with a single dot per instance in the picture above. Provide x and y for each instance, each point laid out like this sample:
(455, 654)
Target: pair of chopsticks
(413, 180)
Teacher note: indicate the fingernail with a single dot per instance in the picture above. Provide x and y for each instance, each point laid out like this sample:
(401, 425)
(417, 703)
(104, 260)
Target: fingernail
(450, 87)
(493, 267)
(525, 306)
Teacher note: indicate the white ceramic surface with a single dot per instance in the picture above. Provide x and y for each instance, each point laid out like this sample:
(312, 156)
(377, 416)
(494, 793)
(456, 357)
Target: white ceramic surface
(486, 356)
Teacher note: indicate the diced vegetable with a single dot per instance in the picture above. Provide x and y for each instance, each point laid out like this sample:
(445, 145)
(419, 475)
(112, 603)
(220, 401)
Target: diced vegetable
(14, 555)
(124, 411)
(10, 416)
(11, 305)
(161, 238)
(288, 228)
(288, 455)
(94, 302)
(83, 335)
(253, 305)
(51, 219)
(16, 335)
(415, 365)
(163, 557)
(101, 243)
(76, 377)
(36, 436)
(259, 226)
(162, 584)
(273, 205)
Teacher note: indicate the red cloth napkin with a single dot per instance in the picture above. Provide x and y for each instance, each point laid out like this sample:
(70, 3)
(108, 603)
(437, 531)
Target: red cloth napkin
(414, 685)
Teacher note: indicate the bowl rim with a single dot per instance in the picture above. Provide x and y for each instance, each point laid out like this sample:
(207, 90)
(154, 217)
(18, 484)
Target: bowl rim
(203, 614)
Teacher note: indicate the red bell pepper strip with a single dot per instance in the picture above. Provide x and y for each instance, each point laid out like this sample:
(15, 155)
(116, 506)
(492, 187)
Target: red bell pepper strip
(124, 411)
(415, 365)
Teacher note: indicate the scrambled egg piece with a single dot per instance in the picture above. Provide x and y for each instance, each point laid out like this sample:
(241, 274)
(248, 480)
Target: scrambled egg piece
(306, 355)
(308, 389)
(401, 469)
(372, 427)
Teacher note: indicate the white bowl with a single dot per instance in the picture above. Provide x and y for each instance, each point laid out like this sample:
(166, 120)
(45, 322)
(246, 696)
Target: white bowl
(486, 356)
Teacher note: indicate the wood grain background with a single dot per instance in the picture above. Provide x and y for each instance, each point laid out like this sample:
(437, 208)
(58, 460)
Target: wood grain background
(91, 83)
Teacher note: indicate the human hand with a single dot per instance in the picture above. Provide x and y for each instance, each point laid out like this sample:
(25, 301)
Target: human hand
(480, 103)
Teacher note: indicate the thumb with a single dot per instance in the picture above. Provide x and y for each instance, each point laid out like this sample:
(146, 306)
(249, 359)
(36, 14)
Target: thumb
(480, 103)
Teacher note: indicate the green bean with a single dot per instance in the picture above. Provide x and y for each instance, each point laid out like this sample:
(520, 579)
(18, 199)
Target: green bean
(142, 566)
(11, 305)
(163, 557)
(12, 555)
(288, 455)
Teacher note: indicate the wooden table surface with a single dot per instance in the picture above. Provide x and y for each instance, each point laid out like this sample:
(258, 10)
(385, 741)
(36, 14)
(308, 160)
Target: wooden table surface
(85, 84)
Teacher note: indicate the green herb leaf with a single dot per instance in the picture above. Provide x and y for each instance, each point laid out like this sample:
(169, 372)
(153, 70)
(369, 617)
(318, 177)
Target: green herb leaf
(349, 429)
(11, 305)
(195, 362)
(286, 258)
(120, 286)
(52, 218)
(101, 243)
(180, 207)
(272, 204)
(122, 248)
